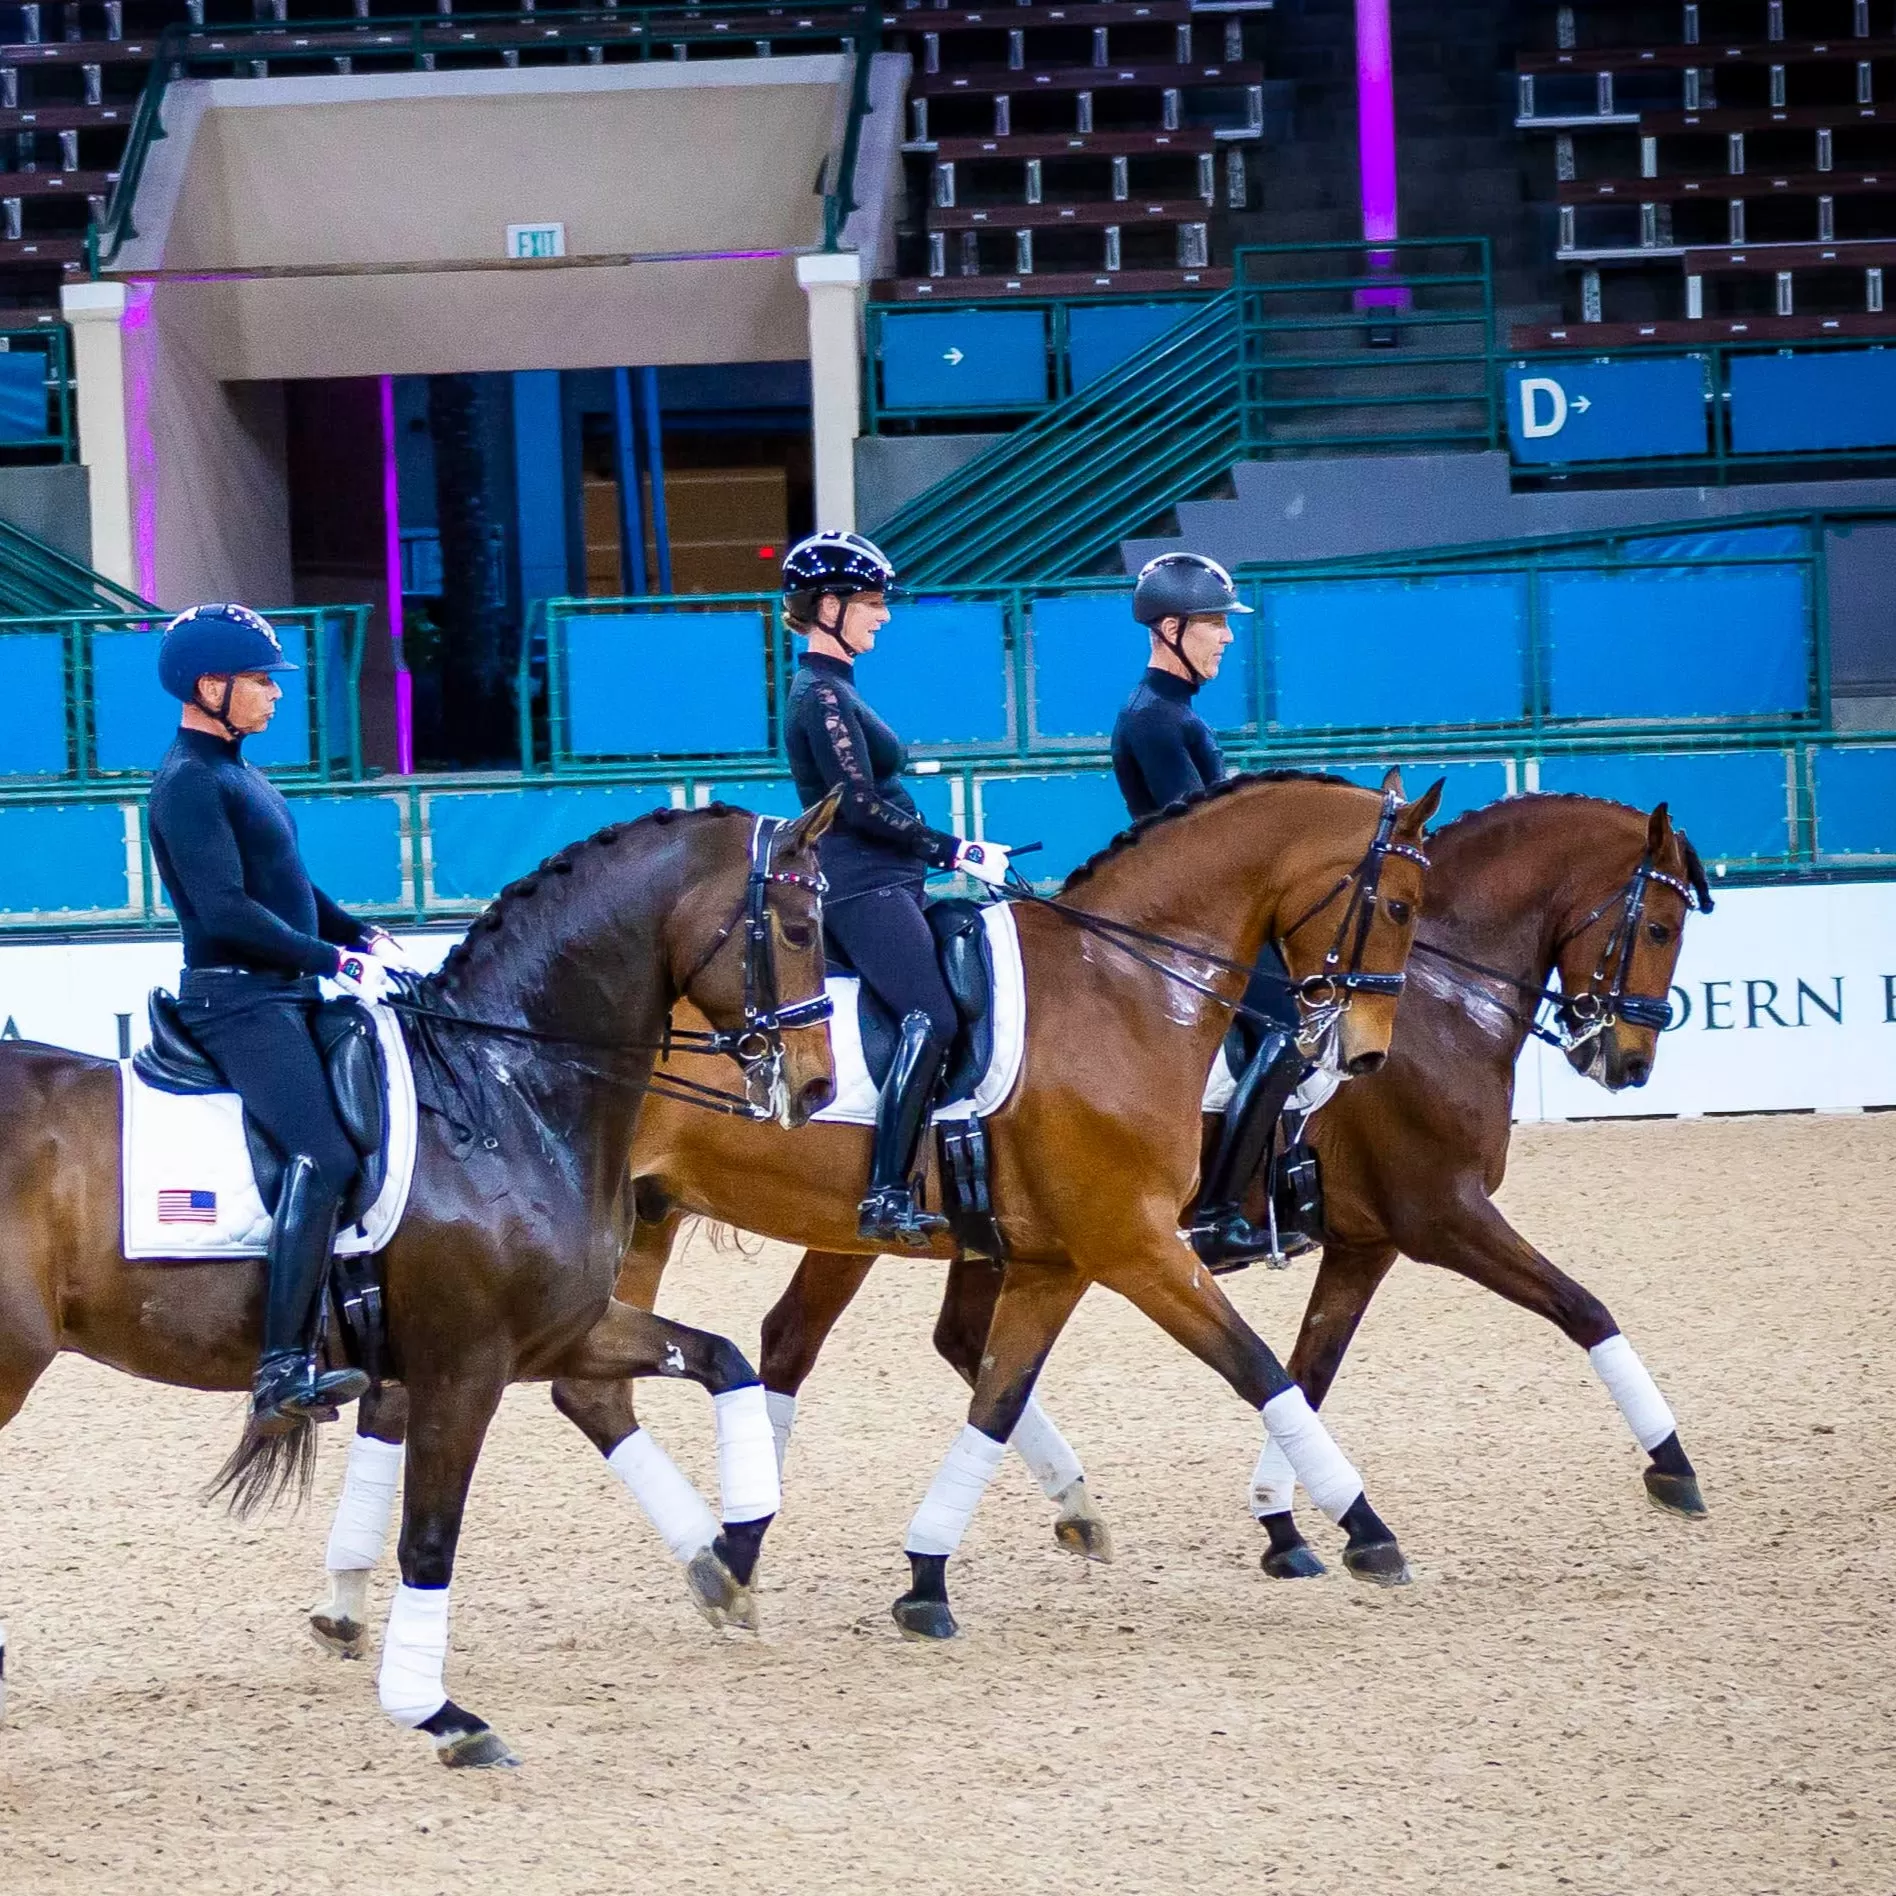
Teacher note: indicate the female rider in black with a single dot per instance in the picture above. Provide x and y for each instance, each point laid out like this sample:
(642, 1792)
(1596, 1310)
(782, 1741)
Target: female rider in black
(1162, 751)
(877, 855)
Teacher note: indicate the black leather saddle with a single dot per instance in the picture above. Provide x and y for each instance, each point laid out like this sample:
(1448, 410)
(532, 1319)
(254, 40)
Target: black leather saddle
(967, 966)
(358, 1082)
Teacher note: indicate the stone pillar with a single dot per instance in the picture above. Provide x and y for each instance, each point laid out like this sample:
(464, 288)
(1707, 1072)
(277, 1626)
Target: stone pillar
(832, 280)
(96, 314)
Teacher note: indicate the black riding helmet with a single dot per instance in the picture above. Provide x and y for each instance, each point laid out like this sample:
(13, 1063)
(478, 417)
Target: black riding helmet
(1182, 586)
(837, 563)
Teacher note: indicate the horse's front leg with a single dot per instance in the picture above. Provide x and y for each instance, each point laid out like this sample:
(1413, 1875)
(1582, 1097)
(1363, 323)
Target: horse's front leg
(797, 1326)
(359, 1531)
(1476, 1242)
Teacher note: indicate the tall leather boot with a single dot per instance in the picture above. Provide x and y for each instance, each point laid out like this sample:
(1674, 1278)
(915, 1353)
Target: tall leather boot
(1222, 1236)
(890, 1211)
(289, 1388)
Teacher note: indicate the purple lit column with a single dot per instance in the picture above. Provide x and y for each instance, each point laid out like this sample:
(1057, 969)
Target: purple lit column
(1376, 144)
(392, 552)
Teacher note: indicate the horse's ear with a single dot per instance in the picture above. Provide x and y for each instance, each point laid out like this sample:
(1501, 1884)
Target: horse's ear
(813, 823)
(1658, 832)
(1416, 814)
(1392, 781)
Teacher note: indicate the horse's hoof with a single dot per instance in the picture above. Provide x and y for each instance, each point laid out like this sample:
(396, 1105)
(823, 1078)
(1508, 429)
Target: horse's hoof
(337, 1634)
(1675, 1494)
(1379, 1562)
(478, 1751)
(1079, 1529)
(1296, 1562)
(923, 1619)
(715, 1592)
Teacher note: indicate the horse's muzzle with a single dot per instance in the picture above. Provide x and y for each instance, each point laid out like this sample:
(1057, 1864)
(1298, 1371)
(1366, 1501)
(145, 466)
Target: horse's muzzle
(1364, 1064)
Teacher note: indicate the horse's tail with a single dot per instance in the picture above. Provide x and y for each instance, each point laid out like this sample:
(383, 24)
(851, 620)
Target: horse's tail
(265, 1469)
(723, 1238)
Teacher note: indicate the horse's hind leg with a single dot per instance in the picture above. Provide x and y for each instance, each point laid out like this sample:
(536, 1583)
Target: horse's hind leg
(28, 1342)
(359, 1531)
(1476, 1242)
(1347, 1279)
(961, 1332)
(797, 1326)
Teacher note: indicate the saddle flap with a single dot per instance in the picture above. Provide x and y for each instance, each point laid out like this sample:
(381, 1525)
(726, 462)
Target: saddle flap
(173, 1062)
(961, 944)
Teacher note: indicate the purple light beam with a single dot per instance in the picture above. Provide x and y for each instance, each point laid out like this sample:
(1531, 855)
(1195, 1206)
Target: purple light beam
(392, 551)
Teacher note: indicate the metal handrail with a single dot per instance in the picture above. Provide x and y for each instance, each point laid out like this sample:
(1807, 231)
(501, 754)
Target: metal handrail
(420, 38)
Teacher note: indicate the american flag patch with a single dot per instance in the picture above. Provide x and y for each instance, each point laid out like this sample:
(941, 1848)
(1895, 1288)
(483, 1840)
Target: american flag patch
(187, 1208)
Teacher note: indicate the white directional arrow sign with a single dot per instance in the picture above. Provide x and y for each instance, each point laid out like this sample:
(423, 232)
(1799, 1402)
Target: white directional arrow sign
(953, 358)
(1581, 403)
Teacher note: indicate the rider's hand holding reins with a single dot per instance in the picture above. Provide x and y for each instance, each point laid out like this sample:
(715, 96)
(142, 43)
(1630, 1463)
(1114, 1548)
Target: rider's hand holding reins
(986, 862)
(389, 952)
(361, 977)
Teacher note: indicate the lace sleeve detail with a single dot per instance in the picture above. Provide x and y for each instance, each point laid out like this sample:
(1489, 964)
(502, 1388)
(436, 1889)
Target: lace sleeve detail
(841, 757)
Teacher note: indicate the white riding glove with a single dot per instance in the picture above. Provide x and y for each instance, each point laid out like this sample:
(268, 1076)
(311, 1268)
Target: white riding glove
(986, 862)
(361, 977)
(389, 952)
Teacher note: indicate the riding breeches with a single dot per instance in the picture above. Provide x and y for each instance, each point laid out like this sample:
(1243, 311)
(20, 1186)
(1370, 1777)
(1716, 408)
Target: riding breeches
(257, 1028)
(884, 937)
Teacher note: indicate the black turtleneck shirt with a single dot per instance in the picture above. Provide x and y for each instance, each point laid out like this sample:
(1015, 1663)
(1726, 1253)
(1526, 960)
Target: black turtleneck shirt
(1162, 748)
(225, 845)
(831, 738)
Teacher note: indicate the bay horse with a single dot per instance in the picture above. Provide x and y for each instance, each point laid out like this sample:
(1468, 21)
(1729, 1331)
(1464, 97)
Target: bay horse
(1521, 892)
(534, 1046)
(1131, 974)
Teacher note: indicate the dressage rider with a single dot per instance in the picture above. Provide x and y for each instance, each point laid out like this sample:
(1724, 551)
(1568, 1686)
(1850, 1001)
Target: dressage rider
(836, 588)
(1162, 751)
(257, 935)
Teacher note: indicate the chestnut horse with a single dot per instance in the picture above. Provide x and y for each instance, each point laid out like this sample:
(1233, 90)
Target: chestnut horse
(534, 1047)
(1521, 891)
(1094, 1151)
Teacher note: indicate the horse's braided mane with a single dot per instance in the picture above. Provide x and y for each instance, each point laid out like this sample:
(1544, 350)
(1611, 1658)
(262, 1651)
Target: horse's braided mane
(1694, 867)
(563, 862)
(1143, 826)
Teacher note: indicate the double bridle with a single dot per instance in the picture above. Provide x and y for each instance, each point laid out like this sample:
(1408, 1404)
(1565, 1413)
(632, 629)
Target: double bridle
(756, 1046)
(1582, 1016)
(1325, 994)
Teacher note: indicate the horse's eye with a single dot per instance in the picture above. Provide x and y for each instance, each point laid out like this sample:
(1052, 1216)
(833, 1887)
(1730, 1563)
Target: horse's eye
(799, 935)
(1658, 932)
(1399, 913)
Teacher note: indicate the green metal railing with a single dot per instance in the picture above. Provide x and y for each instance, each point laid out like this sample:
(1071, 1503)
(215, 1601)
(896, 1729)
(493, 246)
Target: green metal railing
(47, 433)
(428, 42)
(37, 578)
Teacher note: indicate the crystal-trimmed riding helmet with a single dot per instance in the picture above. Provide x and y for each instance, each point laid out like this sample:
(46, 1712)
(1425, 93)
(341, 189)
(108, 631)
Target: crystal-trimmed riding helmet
(219, 641)
(1183, 586)
(837, 563)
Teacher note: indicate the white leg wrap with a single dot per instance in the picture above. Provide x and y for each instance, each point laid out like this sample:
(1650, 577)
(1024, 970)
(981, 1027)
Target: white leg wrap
(955, 1493)
(1273, 1481)
(1627, 1382)
(1319, 1464)
(684, 1521)
(747, 1455)
(1046, 1451)
(415, 1655)
(783, 1418)
(360, 1530)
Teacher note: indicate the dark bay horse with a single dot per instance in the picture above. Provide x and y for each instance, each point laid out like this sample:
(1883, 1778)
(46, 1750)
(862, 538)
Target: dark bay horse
(534, 1045)
(1097, 1148)
(1520, 892)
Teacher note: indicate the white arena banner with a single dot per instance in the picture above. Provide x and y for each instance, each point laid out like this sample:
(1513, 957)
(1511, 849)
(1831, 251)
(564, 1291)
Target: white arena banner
(1784, 1000)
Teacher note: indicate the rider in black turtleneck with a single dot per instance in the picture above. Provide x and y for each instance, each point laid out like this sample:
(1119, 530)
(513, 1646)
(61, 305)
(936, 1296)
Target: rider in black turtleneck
(1162, 751)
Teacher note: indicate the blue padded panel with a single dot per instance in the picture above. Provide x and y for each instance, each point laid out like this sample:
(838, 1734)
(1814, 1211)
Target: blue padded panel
(973, 359)
(1606, 411)
(1466, 786)
(1721, 543)
(1732, 802)
(664, 684)
(1072, 816)
(1087, 654)
(934, 797)
(768, 796)
(62, 856)
(938, 674)
(1440, 650)
(22, 395)
(484, 839)
(33, 689)
(134, 722)
(1786, 404)
(1723, 643)
(352, 846)
(1100, 336)
(1856, 802)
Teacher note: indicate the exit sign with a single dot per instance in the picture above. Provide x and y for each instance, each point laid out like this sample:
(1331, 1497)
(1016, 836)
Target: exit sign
(536, 240)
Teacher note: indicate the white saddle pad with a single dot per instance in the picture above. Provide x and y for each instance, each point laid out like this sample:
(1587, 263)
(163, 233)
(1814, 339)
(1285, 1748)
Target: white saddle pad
(189, 1192)
(855, 1102)
(1306, 1099)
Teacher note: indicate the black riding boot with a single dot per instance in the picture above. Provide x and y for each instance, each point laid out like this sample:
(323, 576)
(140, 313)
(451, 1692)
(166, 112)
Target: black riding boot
(890, 1210)
(289, 1387)
(1220, 1233)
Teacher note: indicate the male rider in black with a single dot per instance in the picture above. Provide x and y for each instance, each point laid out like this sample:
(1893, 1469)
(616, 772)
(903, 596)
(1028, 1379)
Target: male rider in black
(257, 935)
(1162, 751)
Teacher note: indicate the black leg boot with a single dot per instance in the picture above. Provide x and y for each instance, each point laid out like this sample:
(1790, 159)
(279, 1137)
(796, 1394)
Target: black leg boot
(890, 1212)
(1222, 1236)
(288, 1389)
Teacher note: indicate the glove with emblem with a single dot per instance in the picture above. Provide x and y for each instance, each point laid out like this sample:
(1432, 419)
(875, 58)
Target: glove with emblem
(986, 862)
(361, 977)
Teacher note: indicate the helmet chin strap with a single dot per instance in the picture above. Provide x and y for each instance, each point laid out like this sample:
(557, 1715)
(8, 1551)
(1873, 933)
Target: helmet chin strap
(836, 631)
(1176, 646)
(222, 713)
